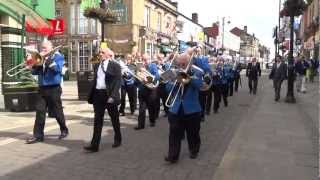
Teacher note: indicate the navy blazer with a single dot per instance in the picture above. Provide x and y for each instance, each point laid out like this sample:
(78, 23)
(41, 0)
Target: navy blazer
(190, 100)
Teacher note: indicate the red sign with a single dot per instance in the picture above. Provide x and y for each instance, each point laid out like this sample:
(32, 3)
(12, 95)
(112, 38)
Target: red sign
(57, 26)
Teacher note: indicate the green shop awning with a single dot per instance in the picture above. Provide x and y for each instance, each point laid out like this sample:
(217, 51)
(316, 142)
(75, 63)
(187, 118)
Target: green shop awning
(17, 8)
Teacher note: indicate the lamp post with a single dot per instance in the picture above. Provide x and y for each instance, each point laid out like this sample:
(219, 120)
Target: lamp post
(292, 8)
(103, 5)
(223, 23)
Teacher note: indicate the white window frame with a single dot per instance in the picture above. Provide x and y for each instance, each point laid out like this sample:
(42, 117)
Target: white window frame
(147, 11)
(84, 58)
(83, 22)
(159, 21)
(73, 19)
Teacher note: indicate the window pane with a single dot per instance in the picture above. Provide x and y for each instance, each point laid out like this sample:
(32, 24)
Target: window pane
(83, 22)
(72, 18)
(84, 52)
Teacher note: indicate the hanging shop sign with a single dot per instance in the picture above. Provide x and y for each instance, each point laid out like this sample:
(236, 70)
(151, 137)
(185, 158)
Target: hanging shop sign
(120, 10)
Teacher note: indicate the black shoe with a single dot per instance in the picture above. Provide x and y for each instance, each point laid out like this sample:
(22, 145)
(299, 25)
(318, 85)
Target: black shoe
(122, 114)
(91, 149)
(34, 140)
(116, 144)
(171, 160)
(138, 128)
(193, 155)
(63, 134)
(202, 119)
(152, 124)
(132, 112)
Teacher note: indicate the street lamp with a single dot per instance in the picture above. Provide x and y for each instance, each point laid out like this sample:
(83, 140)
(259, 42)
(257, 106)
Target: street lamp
(292, 8)
(223, 23)
(103, 5)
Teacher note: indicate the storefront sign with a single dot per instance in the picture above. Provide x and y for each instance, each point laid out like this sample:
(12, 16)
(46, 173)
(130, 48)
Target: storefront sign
(120, 10)
(57, 26)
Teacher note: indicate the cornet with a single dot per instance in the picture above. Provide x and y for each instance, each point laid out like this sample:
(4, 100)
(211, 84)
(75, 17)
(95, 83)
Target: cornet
(35, 58)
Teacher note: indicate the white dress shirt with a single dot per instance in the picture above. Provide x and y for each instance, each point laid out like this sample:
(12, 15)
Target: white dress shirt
(101, 83)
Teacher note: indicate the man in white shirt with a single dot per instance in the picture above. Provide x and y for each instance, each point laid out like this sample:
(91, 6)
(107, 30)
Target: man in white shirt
(105, 94)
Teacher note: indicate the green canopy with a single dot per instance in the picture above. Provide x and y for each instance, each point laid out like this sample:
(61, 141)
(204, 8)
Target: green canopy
(89, 3)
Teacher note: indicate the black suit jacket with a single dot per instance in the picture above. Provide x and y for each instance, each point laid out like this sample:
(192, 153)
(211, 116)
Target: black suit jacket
(253, 71)
(113, 82)
(278, 73)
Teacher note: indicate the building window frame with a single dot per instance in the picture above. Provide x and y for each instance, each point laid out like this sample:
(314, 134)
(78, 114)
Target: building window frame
(83, 22)
(84, 54)
(147, 11)
(73, 18)
(159, 21)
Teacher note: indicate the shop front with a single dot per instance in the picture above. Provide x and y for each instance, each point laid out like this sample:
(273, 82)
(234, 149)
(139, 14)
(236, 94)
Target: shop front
(18, 88)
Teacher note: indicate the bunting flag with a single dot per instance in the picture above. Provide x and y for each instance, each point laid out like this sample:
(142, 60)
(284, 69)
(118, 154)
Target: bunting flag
(89, 4)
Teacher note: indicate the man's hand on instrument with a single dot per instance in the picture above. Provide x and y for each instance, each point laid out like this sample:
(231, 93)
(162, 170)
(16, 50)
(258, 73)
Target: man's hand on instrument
(49, 63)
(110, 100)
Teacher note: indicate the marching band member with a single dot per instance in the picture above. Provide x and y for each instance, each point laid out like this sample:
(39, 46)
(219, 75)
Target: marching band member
(49, 79)
(104, 95)
(147, 97)
(216, 85)
(237, 77)
(205, 96)
(253, 72)
(128, 86)
(185, 114)
(164, 66)
(228, 68)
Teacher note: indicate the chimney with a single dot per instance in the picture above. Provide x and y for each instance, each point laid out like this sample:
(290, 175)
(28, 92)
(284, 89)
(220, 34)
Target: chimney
(245, 29)
(175, 4)
(195, 17)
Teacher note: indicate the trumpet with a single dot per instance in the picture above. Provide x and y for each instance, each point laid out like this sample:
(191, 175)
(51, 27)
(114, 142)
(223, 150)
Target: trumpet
(35, 59)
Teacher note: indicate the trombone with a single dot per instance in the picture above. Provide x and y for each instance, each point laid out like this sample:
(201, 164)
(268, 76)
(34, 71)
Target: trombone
(179, 86)
(36, 59)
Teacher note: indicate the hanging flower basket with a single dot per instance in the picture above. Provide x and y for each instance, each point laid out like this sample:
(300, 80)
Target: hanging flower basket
(103, 15)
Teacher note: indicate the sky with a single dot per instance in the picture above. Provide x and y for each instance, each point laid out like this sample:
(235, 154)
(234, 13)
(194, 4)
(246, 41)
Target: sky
(261, 16)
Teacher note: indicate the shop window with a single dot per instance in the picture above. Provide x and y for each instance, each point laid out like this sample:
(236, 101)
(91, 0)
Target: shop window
(84, 53)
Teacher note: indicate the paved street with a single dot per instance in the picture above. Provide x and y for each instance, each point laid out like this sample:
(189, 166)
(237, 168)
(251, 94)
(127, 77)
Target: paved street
(252, 139)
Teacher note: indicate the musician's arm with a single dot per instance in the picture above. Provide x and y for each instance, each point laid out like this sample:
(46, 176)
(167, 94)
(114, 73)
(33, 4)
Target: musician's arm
(56, 64)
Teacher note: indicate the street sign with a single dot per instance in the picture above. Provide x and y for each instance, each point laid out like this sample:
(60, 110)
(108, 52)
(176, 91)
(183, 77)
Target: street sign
(120, 10)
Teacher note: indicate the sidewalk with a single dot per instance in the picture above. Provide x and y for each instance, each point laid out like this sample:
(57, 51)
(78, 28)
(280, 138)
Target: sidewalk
(278, 141)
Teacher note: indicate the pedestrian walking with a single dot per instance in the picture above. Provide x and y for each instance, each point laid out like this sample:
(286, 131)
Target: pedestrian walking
(253, 72)
(278, 75)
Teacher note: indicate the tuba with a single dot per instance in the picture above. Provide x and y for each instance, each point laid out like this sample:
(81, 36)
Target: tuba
(34, 59)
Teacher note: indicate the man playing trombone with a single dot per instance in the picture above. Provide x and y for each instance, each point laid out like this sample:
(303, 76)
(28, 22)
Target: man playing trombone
(49, 79)
(185, 111)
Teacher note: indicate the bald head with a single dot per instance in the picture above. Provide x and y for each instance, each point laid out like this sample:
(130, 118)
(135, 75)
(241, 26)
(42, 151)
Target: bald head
(106, 53)
(183, 60)
(146, 58)
(46, 47)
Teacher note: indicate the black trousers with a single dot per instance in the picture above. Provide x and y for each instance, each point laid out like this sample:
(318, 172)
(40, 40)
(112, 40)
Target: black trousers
(253, 84)
(48, 95)
(230, 88)
(205, 98)
(236, 83)
(148, 99)
(163, 95)
(224, 93)
(179, 123)
(99, 106)
(132, 95)
(217, 97)
(277, 88)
